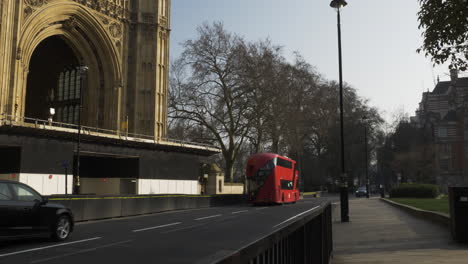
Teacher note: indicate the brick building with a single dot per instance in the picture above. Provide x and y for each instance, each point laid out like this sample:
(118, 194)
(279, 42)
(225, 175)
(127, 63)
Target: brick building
(443, 114)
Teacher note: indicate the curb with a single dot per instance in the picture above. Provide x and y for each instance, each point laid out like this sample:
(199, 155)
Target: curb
(312, 194)
(434, 217)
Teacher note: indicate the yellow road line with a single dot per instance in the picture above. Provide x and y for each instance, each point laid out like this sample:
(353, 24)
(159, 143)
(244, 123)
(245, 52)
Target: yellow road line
(132, 197)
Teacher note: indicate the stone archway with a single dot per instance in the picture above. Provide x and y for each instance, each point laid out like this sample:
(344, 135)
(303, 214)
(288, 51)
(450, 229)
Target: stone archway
(52, 82)
(89, 40)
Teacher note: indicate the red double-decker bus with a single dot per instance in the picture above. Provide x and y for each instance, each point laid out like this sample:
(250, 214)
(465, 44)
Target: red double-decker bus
(272, 178)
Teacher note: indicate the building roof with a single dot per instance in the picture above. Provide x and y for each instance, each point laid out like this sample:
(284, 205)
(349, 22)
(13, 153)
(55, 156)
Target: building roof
(441, 88)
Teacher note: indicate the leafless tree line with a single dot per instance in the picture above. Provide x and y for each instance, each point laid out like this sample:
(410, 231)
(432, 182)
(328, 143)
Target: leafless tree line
(245, 97)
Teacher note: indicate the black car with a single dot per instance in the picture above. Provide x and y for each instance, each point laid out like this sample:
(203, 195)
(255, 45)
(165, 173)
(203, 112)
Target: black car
(361, 191)
(24, 212)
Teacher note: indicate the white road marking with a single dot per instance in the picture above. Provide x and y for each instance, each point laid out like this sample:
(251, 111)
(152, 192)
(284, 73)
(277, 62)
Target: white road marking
(238, 212)
(296, 216)
(155, 227)
(206, 217)
(182, 228)
(261, 208)
(81, 251)
(41, 248)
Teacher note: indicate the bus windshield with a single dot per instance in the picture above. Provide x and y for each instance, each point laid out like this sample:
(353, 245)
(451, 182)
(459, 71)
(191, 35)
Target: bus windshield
(258, 180)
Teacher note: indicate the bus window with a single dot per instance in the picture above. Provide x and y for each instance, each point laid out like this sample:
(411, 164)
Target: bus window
(287, 185)
(284, 163)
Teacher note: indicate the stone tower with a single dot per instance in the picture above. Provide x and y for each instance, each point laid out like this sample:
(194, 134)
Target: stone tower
(123, 43)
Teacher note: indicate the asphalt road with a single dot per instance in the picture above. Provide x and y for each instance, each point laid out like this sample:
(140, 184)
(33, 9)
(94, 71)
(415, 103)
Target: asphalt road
(190, 236)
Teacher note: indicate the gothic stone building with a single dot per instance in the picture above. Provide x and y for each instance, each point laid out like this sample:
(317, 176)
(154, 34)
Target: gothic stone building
(444, 113)
(110, 57)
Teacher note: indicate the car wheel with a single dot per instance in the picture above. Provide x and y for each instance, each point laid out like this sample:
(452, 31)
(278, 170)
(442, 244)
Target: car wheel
(62, 228)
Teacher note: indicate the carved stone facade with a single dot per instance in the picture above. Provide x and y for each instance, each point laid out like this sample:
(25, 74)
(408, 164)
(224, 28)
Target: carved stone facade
(124, 43)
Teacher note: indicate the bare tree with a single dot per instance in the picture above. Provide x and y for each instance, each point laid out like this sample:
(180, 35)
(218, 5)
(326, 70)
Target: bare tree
(213, 95)
(262, 69)
(246, 97)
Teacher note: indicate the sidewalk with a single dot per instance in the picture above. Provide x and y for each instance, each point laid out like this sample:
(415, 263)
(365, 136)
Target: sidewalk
(380, 233)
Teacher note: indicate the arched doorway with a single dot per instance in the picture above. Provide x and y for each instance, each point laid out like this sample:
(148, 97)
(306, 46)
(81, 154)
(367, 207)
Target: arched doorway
(61, 37)
(53, 82)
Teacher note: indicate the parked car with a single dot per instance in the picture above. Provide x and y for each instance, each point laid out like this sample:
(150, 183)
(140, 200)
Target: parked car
(361, 191)
(24, 212)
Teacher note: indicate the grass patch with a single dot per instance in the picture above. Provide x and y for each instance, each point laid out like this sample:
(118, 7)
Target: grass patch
(436, 205)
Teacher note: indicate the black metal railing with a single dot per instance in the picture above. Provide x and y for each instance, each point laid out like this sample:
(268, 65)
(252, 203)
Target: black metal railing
(307, 240)
(11, 120)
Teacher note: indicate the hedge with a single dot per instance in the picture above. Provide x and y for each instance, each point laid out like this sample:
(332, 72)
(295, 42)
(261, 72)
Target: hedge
(413, 190)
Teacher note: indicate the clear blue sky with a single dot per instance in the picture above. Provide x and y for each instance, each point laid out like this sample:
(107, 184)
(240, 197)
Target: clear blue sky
(379, 41)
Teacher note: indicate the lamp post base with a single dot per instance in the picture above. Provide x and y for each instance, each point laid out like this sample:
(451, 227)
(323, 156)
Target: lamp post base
(344, 204)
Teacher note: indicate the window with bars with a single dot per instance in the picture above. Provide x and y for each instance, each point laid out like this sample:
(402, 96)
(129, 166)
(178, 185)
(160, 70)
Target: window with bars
(60, 87)
(58, 114)
(71, 114)
(72, 85)
(67, 97)
(78, 86)
(65, 114)
(77, 112)
(66, 85)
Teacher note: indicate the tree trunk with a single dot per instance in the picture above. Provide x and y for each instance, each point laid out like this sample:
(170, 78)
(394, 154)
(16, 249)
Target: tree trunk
(259, 146)
(229, 170)
(275, 143)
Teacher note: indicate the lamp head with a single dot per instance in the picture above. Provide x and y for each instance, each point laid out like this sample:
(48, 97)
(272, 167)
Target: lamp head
(52, 111)
(83, 68)
(338, 4)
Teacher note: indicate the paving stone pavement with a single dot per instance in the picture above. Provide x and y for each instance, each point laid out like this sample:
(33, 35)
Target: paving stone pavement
(379, 233)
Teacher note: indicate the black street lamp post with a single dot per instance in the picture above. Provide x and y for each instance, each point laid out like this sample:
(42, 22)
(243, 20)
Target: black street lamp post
(367, 158)
(83, 71)
(344, 200)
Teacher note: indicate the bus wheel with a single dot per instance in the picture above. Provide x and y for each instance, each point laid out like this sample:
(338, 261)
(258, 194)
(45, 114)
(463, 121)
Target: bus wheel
(282, 200)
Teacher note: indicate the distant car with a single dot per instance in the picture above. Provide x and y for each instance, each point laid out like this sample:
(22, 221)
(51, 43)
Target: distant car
(361, 191)
(24, 212)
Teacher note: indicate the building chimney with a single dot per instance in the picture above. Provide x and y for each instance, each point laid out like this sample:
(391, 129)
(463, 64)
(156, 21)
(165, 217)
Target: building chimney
(453, 75)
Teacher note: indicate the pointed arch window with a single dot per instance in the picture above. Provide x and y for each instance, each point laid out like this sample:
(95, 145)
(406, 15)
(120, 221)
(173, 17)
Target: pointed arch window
(67, 96)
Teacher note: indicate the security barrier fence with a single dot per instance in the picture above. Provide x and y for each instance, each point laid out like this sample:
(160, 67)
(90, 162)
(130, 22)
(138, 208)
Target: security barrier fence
(306, 240)
(95, 207)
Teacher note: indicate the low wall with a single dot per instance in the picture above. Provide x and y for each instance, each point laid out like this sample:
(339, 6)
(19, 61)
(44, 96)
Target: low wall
(434, 217)
(233, 188)
(87, 208)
